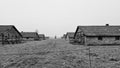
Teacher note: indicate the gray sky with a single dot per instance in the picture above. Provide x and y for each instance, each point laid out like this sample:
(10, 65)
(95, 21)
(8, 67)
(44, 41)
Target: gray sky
(56, 17)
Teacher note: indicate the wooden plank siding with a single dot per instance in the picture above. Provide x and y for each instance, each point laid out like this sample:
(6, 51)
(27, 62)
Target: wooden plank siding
(41, 37)
(9, 34)
(30, 36)
(97, 35)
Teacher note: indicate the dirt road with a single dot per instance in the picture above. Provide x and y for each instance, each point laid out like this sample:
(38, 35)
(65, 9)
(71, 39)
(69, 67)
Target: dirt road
(53, 53)
(57, 53)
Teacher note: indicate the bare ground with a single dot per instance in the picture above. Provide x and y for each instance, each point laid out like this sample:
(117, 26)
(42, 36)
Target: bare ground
(58, 54)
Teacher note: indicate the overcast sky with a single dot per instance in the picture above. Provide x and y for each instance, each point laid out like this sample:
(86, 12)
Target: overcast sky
(56, 17)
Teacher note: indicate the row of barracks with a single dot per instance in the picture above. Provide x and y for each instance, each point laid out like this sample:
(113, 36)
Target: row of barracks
(92, 35)
(9, 34)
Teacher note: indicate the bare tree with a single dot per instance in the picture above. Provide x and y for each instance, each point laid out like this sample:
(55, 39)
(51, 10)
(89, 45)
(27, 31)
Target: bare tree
(37, 31)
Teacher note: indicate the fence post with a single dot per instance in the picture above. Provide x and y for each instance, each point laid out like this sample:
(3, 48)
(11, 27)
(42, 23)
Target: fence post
(90, 58)
(86, 44)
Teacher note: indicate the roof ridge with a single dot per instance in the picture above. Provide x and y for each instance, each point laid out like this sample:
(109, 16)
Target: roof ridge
(98, 25)
(6, 25)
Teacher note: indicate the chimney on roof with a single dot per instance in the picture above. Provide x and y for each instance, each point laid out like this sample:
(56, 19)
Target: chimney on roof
(107, 24)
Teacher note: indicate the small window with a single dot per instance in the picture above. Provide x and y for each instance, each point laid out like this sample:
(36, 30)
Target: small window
(117, 38)
(100, 38)
(27, 37)
(12, 36)
(16, 37)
